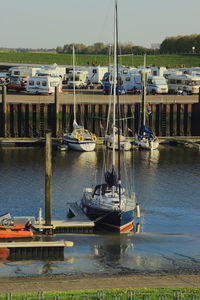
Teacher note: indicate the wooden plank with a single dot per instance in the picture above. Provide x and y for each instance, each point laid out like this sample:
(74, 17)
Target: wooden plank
(39, 244)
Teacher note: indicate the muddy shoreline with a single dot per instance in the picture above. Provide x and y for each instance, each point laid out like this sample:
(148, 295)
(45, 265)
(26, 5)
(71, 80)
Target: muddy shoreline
(70, 283)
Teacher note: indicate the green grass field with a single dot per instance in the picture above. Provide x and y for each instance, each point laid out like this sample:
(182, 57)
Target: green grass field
(187, 60)
(116, 294)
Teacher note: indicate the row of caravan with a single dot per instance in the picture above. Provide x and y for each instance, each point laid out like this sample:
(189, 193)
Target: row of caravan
(162, 81)
(159, 80)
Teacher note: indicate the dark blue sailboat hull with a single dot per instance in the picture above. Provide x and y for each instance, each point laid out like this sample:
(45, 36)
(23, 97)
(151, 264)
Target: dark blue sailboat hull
(120, 221)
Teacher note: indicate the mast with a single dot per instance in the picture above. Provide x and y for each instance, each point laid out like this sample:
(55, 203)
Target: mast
(114, 85)
(118, 103)
(74, 92)
(143, 75)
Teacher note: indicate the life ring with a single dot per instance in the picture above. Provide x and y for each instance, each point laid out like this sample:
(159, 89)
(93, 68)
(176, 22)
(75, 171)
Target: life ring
(80, 138)
(94, 138)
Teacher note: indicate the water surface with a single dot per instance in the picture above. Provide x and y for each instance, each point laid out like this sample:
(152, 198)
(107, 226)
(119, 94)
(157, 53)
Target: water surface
(166, 182)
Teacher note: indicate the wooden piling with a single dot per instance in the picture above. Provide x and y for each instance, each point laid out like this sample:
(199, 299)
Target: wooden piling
(48, 176)
(32, 120)
(57, 127)
(4, 111)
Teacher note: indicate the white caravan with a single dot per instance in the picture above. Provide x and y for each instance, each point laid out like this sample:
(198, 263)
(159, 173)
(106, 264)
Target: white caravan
(184, 83)
(158, 71)
(52, 70)
(80, 77)
(95, 74)
(23, 71)
(44, 84)
(132, 82)
(155, 84)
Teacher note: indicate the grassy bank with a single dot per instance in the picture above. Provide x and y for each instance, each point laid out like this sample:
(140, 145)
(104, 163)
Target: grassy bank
(187, 60)
(118, 294)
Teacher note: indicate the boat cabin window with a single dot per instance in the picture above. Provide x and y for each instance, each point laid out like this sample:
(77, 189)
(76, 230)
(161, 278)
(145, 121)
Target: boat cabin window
(38, 83)
(31, 82)
(44, 83)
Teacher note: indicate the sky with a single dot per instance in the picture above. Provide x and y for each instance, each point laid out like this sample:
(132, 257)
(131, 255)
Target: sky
(51, 23)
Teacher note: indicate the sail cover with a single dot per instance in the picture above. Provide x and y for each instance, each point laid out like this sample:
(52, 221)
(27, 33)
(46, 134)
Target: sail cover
(111, 178)
(146, 130)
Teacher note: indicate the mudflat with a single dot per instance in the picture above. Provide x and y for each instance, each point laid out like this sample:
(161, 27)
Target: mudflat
(66, 283)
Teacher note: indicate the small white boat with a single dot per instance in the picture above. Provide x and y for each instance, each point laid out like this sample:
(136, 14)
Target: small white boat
(145, 139)
(146, 142)
(80, 139)
(124, 144)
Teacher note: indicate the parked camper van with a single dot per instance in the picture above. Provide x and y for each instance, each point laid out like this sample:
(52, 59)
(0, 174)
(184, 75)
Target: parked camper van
(132, 82)
(183, 84)
(95, 74)
(44, 84)
(81, 79)
(107, 83)
(157, 85)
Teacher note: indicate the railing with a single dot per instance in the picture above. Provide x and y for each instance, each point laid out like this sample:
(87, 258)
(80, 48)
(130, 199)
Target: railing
(106, 295)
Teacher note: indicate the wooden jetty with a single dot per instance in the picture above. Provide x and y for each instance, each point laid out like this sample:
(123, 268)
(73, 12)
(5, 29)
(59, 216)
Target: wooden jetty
(37, 244)
(34, 250)
(77, 222)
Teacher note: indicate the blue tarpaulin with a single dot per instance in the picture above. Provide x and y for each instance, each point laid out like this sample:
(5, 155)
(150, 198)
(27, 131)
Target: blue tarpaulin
(146, 130)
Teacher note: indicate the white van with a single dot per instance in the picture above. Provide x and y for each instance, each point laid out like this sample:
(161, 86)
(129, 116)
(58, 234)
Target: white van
(44, 84)
(154, 85)
(184, 83)
(157, 85)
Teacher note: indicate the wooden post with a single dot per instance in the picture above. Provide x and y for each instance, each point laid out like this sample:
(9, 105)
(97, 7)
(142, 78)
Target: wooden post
(48, 175)
(57, 129)
(4, 106)
(199, 95)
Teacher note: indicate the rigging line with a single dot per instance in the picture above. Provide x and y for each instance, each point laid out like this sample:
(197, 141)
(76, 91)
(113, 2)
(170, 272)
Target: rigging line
(74, 92)
(121, 119)
(118, 103)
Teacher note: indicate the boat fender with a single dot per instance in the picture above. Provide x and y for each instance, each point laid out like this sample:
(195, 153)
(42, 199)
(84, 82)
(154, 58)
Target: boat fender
(94, 138)
(137, 229)
(80, 138)
(137, 210)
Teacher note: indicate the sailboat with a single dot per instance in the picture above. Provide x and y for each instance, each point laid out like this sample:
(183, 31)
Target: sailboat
(145, 139)
(79, 139)
(110, 205)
